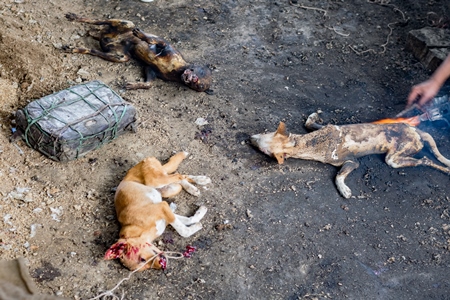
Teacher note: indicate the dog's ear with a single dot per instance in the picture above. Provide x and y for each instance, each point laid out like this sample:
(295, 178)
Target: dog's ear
(279, 157)
(115, 251)
(281, 129)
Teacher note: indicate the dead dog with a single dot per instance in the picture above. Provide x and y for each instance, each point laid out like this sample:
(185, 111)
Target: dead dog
(144, 216)
(120, 40)
(342, 145)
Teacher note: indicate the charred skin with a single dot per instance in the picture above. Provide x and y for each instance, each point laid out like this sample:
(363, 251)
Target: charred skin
(120, 40)
(168, 63)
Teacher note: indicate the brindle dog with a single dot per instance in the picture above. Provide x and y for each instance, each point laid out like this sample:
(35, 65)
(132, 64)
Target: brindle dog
(342, 146)
(120, 40)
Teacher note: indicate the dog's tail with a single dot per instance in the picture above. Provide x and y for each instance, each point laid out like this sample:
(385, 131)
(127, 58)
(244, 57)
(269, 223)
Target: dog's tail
(432, 144)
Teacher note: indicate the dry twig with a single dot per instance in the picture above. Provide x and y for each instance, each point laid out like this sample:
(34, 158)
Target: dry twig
(391, 29)
(340, 33)
(309, 7)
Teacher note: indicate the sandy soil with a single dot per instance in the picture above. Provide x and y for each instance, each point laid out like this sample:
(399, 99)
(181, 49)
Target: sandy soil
(272, 231)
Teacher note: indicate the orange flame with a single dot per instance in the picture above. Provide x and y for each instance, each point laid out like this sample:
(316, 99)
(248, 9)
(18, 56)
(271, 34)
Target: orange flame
(412, 121)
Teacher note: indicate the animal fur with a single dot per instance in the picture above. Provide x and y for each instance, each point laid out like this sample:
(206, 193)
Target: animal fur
(144, 216)
(121, 39)
(341, 146)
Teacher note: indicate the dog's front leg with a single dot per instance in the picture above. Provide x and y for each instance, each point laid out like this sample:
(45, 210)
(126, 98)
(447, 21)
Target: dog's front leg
(312, 123)
(346, 169)
(199, 214)
(149, 38)
(110, 56)
(183, 230)
(201, 180)
(173, 163)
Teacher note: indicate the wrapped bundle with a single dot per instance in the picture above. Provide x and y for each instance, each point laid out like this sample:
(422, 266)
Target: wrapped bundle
(70, 123)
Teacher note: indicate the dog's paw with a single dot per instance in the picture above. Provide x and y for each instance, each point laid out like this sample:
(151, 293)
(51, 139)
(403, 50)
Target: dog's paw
(194, 191)
(313, 122)
(201, 180)
(199, 214)
(346, 192)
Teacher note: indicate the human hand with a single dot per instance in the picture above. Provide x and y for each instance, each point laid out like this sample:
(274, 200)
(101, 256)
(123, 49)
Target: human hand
(423, 92)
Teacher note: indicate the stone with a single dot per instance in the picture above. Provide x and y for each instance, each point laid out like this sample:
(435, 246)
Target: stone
(430, 45)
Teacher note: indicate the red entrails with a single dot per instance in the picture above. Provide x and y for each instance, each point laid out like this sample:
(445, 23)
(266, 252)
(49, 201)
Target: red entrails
(189, 250)
(162, 262)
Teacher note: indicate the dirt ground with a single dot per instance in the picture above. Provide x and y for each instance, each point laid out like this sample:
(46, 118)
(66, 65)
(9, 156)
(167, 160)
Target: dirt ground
(272, 231)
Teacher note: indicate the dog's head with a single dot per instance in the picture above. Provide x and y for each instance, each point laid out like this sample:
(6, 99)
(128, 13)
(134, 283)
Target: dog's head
(133, 255)
(197, 78)
(274, 144)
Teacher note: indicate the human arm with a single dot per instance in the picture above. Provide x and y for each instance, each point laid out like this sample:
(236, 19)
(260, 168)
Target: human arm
(426, 90)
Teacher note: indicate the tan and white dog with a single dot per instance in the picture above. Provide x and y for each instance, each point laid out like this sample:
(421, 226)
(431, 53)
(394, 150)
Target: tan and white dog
(144, 216)
(342, 145)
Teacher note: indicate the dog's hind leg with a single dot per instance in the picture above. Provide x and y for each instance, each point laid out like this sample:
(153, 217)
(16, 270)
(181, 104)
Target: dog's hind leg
(110, 56)
(199, 214)
(397, 160)
(117, 23)
(346, 169)
(400, 158)
(432, 144)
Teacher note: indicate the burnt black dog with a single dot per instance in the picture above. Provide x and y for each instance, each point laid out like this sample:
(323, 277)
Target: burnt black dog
(120, 40)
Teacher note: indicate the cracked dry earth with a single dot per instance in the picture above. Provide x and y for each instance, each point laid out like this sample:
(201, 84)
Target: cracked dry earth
(272, 231)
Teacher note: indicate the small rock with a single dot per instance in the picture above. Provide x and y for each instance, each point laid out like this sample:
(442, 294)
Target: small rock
(83, 73)
(37, 210)
(201, 121)
(75, 37)
(57, 46)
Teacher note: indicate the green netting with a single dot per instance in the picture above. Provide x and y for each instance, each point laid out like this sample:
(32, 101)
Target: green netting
(72, 122)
